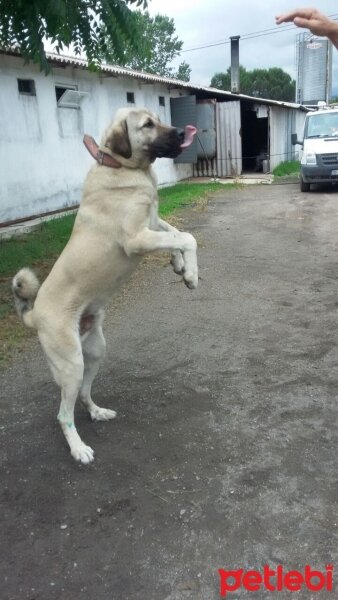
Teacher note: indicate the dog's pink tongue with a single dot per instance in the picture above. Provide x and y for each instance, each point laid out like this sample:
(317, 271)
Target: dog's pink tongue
(189, 134)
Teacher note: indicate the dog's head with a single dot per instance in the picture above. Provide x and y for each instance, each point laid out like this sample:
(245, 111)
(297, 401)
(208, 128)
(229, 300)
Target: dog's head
(136, 138)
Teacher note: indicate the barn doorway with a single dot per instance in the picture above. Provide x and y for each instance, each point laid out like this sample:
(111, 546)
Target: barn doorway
(255, 136)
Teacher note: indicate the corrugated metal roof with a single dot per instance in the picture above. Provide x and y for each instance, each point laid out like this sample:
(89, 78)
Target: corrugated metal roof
(116, 70)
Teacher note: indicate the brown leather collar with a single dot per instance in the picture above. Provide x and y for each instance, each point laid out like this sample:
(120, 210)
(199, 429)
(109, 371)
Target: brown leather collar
(101, 157)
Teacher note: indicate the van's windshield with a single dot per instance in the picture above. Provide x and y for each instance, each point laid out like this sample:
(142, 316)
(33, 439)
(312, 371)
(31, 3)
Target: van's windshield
(322, 125)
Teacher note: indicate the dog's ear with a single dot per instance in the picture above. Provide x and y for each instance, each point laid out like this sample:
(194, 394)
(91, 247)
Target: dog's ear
(119, 142)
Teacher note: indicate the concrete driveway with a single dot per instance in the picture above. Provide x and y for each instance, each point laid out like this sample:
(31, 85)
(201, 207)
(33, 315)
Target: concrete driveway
(225, 450)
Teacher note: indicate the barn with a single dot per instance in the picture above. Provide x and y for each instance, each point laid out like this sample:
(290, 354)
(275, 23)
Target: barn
(43, 120)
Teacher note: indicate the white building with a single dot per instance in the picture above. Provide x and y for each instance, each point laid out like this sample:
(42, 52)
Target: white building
(43, 120)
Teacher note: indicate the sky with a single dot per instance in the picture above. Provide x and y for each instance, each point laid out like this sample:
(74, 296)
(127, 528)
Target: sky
(202, 22)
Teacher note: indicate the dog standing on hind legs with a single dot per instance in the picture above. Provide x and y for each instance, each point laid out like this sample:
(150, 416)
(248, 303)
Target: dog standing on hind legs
(116, 224)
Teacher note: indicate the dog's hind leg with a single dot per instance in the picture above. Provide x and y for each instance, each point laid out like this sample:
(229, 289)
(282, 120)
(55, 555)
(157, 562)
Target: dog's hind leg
(66, 362)
(93, 348)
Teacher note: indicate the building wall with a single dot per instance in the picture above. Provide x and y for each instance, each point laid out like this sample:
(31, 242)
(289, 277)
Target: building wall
(43, 160)
(229, 147)
(283, 122)
(232, 133)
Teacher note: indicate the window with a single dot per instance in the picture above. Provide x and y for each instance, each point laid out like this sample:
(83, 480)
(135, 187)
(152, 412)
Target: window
(161, 100)
(131, 97)
(60, 90)
(27, 87)
(67, 96)
(322, 125)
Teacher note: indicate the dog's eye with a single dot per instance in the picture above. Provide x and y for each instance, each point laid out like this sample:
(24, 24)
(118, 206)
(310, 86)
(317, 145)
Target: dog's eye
(149, 123)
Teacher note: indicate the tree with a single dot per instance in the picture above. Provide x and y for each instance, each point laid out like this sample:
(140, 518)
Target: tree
(158, 46)
(87, 24)
(222, 81)
(184, 72)
(273, 83)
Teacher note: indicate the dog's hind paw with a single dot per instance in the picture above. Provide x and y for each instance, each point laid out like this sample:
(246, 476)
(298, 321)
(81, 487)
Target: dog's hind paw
(102, 414)
(83, 454)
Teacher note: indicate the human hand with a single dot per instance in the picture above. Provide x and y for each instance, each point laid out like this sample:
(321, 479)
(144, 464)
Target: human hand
(309, 18)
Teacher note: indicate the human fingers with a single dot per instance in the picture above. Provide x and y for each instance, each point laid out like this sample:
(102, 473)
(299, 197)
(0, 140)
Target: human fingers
(303, 13)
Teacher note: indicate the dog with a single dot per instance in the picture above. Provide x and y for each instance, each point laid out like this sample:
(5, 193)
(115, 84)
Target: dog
(116, 225)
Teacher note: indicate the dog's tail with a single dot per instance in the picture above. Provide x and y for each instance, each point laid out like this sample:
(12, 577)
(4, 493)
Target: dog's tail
(25, 286)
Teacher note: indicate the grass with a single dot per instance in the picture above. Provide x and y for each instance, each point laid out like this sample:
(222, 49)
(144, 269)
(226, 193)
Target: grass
(41, 244)
(49, 240)
(289, 167)
(178, 196)
(41, 247)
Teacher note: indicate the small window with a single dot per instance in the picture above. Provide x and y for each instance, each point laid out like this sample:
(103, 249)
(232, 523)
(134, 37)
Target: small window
(68, 96)
(27, 87)
(60, 90)
(161, 100)
(131, 97)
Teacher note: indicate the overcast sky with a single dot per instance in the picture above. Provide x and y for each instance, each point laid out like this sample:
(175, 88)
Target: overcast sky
(203, 22)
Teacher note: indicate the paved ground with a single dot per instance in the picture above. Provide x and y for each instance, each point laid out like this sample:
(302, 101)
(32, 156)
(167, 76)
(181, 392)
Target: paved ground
(224, 452)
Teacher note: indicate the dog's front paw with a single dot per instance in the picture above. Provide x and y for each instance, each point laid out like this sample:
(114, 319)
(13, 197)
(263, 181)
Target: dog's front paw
(83, 454)
(177, 262)
(190, 279)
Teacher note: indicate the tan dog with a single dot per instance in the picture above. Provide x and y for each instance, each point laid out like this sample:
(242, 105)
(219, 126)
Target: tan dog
(117, 223)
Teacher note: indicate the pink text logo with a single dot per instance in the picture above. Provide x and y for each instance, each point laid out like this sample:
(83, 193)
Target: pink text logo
(276, 580)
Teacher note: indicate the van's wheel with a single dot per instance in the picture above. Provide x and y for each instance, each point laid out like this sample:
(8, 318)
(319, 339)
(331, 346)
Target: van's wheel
(304, 187)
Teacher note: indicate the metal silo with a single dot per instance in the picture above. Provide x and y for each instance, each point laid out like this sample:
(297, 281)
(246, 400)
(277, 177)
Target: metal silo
(314, 69)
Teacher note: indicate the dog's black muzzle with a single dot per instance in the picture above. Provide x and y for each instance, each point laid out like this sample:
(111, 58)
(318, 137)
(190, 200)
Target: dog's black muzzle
(168, 144)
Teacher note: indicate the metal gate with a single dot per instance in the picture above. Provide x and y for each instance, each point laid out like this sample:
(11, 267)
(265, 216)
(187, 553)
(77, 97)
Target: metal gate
(183, 112)
(227, 160)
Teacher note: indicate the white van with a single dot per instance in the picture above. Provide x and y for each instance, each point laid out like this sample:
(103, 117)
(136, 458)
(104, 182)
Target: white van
(319, 154)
